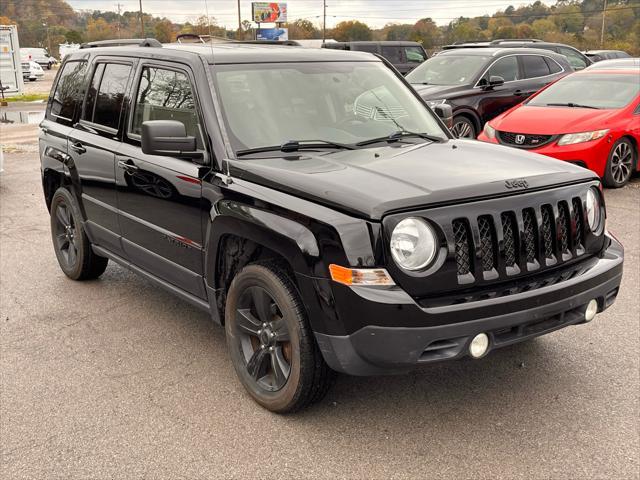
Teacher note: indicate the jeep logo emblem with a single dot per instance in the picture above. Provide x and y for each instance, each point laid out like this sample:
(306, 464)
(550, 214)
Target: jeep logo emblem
(517, 183)
(520, 139)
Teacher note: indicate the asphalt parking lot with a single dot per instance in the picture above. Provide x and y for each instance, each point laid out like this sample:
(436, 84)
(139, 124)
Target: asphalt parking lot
(115, 378)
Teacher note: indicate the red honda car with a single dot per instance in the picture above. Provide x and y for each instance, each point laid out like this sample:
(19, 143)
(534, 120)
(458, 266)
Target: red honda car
(591, 118)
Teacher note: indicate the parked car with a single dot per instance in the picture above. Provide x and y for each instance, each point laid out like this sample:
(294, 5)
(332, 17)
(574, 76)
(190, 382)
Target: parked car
(576, 59)
(311, 202)
(591, 118)
(32, 71)
(479, 84)
(599, 55)
(405, 56)
(39, 55)
(622, 63)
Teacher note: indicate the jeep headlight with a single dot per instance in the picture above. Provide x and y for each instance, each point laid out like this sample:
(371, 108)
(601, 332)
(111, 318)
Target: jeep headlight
(413, 244)
(594, 210)
(571, 138)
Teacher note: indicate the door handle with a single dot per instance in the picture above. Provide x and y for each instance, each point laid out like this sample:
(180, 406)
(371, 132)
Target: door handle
(78, 148)
(518, 93)
(127, 166)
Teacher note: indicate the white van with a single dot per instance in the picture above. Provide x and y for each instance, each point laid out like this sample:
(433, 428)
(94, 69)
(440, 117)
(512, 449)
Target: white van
(38, 55)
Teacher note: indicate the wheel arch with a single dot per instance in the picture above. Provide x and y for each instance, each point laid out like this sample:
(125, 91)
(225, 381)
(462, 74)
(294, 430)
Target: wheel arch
(52, 180)
(471, 115)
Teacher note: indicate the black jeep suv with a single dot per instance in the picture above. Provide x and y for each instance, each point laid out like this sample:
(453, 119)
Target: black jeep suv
(311, 202)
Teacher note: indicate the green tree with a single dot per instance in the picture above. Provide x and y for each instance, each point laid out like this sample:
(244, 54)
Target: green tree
(351, 30)
(302, 29)
(164, 31)
(73, 36)
(426, 32)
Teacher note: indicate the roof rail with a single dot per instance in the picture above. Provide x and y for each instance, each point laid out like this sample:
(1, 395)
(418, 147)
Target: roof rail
(501, 40)
(140, 42)
(470, 41)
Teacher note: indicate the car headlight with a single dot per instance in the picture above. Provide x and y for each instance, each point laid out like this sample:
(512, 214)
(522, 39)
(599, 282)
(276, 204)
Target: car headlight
(489, 131)
(434, 103)
(571, 138)
(413, 244)
(594, 211)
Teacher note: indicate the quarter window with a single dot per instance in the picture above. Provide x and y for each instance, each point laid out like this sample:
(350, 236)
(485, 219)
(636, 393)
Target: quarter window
(553, 65)
(68, 93)
(165, 95)
(506, 67)
(393, 54)
(534, 66)
(106, 94)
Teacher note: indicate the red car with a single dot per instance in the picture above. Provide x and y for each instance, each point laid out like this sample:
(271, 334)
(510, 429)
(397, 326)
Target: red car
(591, 118)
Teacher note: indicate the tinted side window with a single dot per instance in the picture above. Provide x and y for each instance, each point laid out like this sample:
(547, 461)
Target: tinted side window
(506, 68)
(575, 60)
(553, 65)
(534, 66)
(106, 94)
(68, 93)
(393, 54)
(414, 54)
(165, 95)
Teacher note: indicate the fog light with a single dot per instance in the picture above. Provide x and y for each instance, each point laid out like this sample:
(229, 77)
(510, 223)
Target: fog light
(592, 309)
(479, 345)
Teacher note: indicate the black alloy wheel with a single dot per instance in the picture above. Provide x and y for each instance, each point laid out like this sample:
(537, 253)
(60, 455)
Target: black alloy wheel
(463, 128)
(620, 164)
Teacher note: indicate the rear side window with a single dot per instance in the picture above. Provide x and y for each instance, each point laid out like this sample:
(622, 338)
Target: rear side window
(106, 94)
(534, 66)
(68, 93)
(415, 54)
(553, 65)
(393, 54)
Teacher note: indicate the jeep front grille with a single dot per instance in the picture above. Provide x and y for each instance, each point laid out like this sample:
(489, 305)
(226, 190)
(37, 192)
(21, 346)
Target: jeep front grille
(522, 240)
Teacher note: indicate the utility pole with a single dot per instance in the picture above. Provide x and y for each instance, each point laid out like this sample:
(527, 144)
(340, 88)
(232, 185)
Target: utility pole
(141, 20)
(324, 21)
(604, 13)
(119, 17)
(239, 36)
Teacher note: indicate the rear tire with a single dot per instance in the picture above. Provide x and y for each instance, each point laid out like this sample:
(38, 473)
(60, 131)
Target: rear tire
(463, 127)
(620, 164)
(272, 348)
(73, 249)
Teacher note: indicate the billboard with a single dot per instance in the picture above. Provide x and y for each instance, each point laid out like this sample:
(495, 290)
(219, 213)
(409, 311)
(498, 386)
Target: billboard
(269, 12)
(280, 34)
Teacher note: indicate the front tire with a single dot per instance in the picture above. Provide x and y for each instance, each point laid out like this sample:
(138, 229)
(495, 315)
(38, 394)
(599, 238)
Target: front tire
(272, 348)
(463, 127)
(73, 249)
(622, 159)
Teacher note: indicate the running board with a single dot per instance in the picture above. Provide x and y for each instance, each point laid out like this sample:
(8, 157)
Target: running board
(192, 299)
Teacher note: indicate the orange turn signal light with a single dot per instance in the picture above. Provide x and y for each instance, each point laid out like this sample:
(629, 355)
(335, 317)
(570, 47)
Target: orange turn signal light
(360, 276)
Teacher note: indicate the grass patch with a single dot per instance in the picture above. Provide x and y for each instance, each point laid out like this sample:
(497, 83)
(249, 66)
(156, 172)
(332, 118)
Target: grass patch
(27, 97)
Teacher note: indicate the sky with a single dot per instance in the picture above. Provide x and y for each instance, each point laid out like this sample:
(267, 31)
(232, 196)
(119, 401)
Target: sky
(376, 13)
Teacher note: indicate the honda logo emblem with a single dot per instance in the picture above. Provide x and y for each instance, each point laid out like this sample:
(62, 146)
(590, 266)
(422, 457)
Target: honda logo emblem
(520, 139)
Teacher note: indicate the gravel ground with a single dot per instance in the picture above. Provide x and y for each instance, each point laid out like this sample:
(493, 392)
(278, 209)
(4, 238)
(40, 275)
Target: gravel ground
(117, 379)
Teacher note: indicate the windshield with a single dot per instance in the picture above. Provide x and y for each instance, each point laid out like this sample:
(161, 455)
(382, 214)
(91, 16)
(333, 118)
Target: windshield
(343, 102)
(595, 91)
(448, 70)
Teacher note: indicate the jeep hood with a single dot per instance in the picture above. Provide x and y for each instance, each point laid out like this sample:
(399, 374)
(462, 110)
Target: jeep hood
(374, 181)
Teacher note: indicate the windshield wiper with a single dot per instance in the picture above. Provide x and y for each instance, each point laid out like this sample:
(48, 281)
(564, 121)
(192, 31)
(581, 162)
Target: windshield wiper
(395, 136)
(572, 105)
(295, 145)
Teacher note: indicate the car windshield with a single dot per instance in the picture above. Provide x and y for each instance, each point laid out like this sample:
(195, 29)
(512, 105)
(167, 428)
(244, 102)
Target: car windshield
(590, 90)
(342, 102)
(448, 70)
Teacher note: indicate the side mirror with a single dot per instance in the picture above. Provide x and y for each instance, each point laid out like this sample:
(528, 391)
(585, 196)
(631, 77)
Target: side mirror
(445, 113)
(495, 81)
(168, 137)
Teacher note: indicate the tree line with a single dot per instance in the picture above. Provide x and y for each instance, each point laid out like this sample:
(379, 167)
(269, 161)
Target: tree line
(47, 23)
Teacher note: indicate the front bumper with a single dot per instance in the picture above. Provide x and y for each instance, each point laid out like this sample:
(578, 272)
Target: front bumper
(400, 334)
(592, 155)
